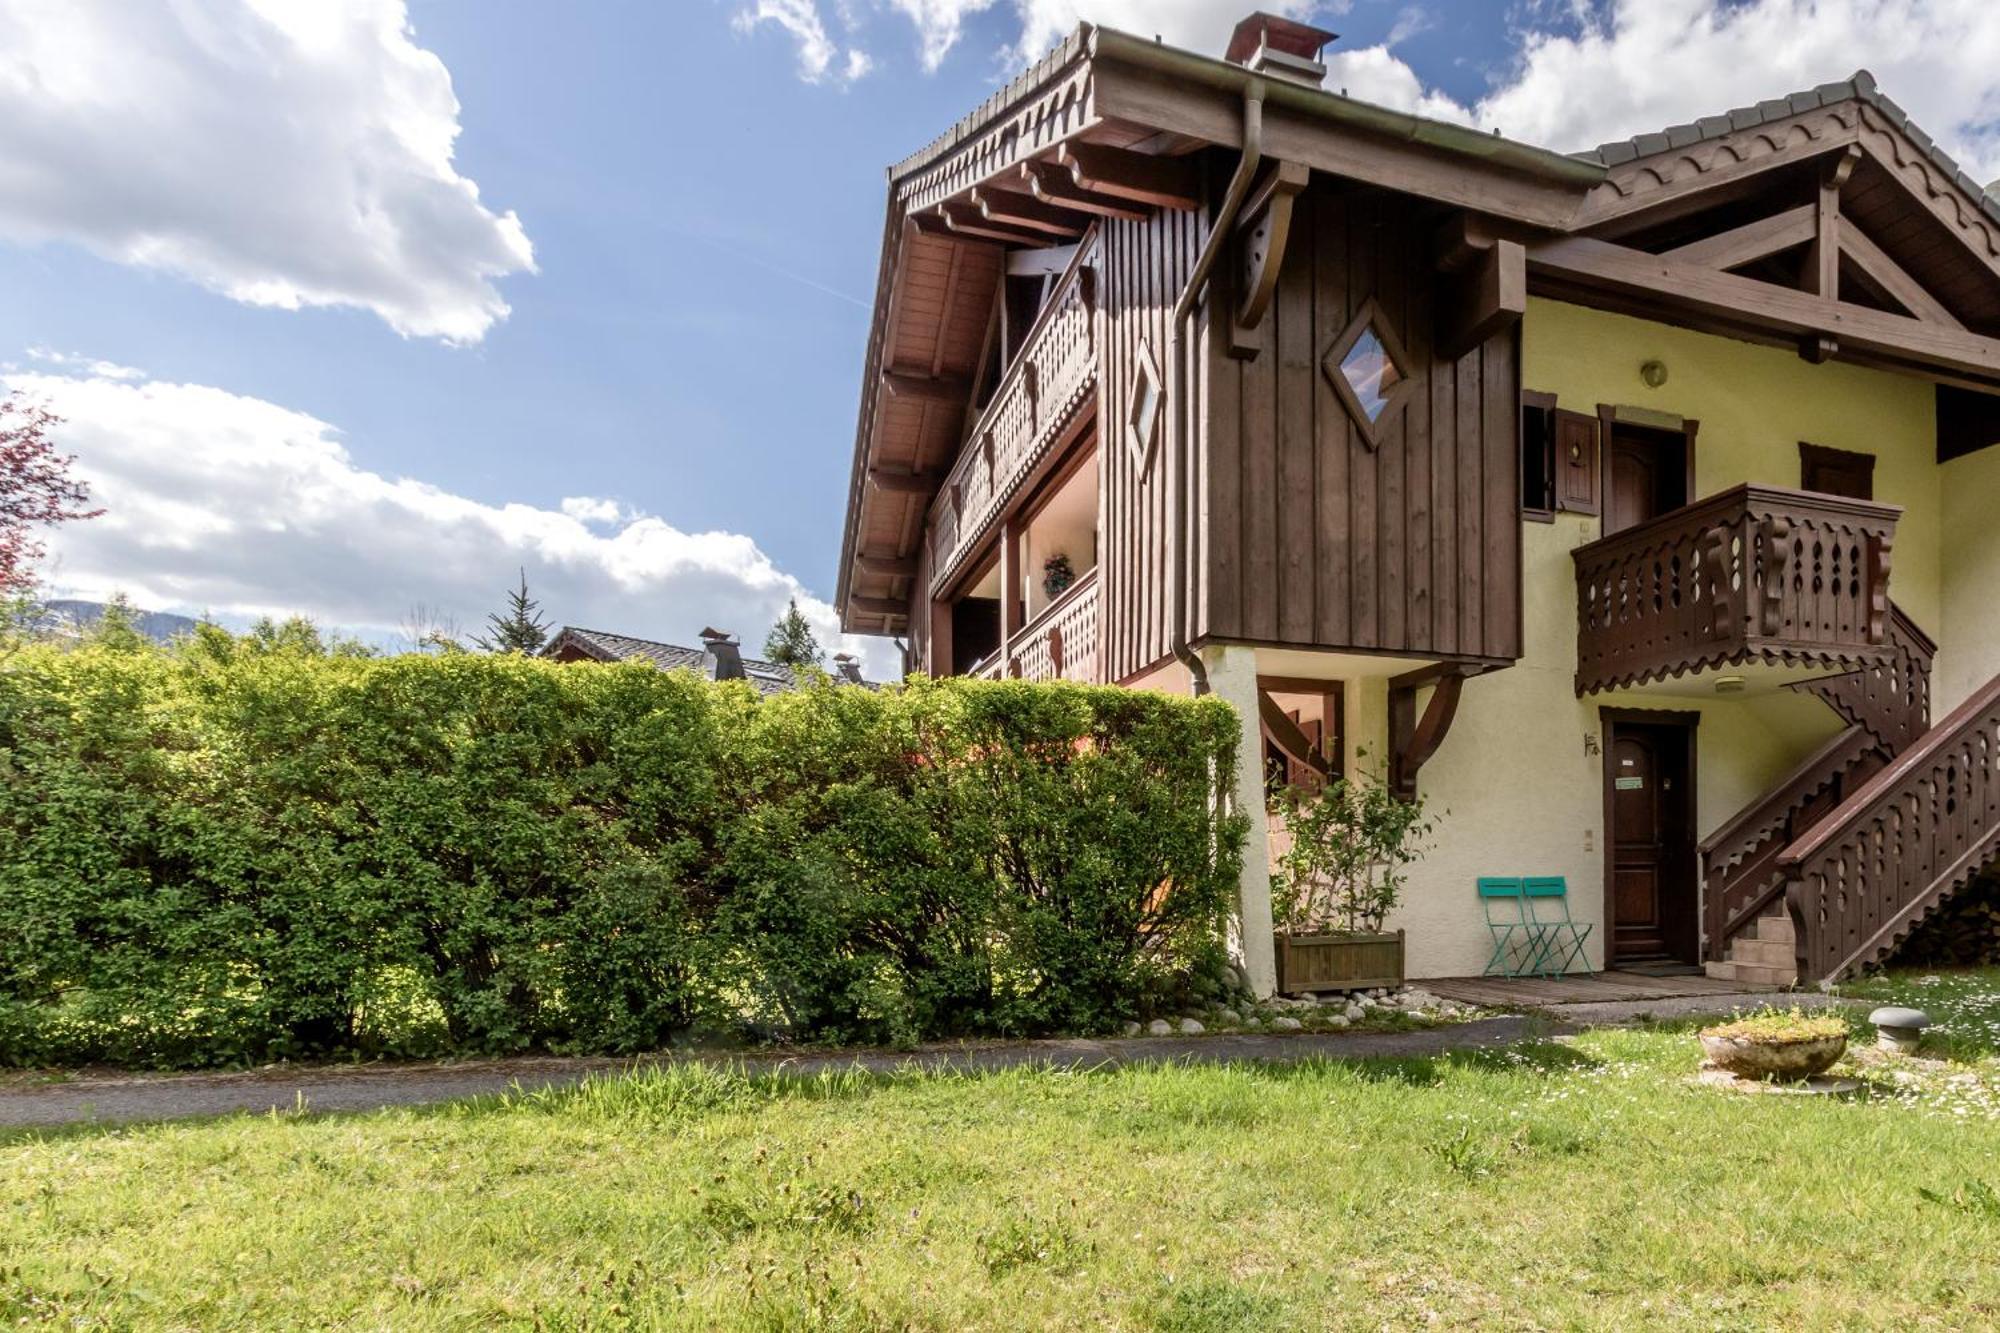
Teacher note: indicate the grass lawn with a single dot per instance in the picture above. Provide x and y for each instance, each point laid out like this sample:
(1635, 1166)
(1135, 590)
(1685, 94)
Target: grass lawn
(1585, 1184)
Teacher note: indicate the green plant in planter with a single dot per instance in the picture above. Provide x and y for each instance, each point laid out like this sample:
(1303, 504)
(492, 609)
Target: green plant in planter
(1057, 574)
(1780, 1026)
(1352, 842)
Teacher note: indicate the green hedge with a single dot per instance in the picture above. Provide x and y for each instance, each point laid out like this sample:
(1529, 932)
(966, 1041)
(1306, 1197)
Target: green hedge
(246, 849)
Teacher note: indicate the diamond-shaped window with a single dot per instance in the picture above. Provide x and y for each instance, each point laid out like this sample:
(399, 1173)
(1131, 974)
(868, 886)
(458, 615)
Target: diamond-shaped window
(1142, 418)
(1368, 370)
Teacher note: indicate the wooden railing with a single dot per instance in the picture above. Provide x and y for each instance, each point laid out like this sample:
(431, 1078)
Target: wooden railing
(1061, 642)
(1752, 574)
(1739, 861)
(1915, 833)
(1036, 401)
(1886, 706)
(1891, 698)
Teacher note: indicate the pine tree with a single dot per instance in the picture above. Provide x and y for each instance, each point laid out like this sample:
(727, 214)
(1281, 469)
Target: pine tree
(791, 642)
(521, 630)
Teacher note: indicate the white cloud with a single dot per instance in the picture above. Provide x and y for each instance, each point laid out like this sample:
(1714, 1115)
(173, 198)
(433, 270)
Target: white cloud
(109, 370)
(231, 505)
(1197, 25)
(590, 509)
(819, 54)
(1615, 68)
(283, 153)
(1645, 64)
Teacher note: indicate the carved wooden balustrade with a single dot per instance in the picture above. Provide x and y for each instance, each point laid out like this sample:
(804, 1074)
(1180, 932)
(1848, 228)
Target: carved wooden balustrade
(1037, 400)
(1752, 574)
(1058, 644)
(1061, 642)
(1915, 833)
(1890, 698)
(1740, 874)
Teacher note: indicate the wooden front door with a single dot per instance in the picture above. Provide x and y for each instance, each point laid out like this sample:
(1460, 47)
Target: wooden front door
(1654, 899)
(1646, 475)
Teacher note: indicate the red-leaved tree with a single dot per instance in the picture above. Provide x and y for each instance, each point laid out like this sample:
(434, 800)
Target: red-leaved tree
(36, 490)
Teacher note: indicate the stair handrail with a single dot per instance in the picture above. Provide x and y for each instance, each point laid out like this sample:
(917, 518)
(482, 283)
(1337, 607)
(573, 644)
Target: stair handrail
(1862, 802)
(1757, 820)
(1872, 802)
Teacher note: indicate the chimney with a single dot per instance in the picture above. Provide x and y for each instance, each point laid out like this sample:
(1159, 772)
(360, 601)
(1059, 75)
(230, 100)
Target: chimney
(724, 661)
(1281, 48)
(847, 668)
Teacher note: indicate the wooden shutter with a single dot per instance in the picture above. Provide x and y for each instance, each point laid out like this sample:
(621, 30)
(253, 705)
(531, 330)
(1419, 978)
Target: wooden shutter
(1576, 463)
(1836, 472)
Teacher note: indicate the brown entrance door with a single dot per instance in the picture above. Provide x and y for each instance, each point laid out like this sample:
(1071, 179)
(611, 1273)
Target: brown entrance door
(1654, 897)
(1646, 477)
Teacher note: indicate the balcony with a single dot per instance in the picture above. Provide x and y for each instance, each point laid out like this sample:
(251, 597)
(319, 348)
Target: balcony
(1754, 575)
(1058, 644)
(1038, 399)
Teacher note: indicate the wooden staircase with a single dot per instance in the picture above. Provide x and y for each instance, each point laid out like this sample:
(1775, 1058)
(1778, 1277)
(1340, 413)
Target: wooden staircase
(1754, 929)
(1917, 832)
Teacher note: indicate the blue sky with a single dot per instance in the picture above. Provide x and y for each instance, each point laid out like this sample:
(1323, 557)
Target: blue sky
(700, 185)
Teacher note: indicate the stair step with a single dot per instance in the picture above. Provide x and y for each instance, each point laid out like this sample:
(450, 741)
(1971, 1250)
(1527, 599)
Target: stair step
(1761, 952)
(1757, 975)
(1776, 927)
(1720, 970)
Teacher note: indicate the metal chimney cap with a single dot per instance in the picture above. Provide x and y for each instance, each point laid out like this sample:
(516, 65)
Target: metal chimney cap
(1264, 31)
(717, 636)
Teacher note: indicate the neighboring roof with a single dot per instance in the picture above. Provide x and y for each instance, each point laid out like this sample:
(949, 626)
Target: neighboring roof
(768, 677)
(1858, 86)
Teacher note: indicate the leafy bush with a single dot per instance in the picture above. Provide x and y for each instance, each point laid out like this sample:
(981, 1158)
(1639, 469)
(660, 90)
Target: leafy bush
(1351, 843)
(246, 849)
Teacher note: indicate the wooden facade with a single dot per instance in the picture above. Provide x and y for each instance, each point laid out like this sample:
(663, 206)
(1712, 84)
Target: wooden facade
(1146, 263)
(1316, 536)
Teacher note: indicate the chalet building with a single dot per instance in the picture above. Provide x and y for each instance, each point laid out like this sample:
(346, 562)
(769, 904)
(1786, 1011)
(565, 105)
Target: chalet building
(1638, 507)
(720, 657)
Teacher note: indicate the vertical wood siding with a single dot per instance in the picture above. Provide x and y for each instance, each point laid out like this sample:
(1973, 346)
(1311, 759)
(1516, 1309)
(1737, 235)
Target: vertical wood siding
(1145, 265)
(1314, 539)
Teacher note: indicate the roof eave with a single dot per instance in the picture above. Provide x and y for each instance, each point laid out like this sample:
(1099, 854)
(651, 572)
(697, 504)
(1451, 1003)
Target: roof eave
(1445, 136)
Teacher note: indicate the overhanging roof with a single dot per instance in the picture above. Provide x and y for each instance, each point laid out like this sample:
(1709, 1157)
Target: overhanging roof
(1112, 89)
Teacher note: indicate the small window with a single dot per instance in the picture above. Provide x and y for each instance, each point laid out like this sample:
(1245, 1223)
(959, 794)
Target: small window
(1371, 374)
(1142, 417)
(1367, 368)
(1538, 455)
(1836, 472)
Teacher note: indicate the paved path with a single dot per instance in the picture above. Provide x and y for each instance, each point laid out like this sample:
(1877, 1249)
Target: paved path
(124, 1098)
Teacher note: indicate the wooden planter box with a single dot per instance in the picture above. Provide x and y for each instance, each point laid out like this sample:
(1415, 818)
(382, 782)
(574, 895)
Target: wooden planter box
(1338, 962)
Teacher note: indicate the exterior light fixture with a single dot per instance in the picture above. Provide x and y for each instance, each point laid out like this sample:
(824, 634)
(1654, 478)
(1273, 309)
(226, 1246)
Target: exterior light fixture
(1654, 373)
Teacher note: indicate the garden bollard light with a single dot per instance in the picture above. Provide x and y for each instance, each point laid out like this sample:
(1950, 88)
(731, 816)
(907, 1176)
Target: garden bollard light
(1899, 1029)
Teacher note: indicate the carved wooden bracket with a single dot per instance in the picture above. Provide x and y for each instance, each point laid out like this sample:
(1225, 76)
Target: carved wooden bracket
(1264, 228)
(1413, 740)
(1287, 735)
(1489, 295)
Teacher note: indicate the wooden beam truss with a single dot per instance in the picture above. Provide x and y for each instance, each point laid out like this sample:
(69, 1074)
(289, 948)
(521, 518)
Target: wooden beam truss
(1412, 739)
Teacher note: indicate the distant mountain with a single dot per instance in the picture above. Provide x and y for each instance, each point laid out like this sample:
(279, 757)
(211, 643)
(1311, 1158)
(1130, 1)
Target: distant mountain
(159, 626)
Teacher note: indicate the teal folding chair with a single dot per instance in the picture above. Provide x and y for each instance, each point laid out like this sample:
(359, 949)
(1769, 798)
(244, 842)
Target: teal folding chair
(1517, 937)
(1559, 939)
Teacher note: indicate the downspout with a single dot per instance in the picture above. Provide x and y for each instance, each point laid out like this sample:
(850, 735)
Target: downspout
(1180, 450)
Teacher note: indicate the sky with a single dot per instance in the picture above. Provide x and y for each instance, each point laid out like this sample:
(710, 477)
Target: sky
(354, 308)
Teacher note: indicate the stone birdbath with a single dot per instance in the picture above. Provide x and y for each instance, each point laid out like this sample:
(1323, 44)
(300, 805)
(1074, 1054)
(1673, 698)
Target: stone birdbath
(1776, 1047)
